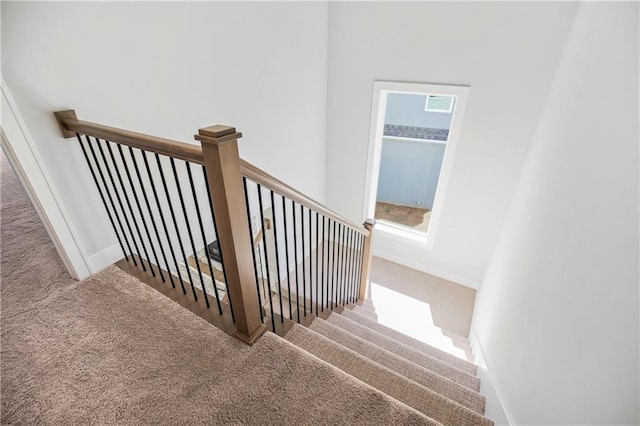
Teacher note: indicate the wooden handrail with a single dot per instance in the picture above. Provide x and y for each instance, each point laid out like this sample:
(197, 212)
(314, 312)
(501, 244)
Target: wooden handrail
(70, 125)
(265, 179)
(218, 153)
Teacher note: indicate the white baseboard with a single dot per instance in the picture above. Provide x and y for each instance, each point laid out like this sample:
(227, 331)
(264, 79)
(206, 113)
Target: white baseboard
(426, 269)
(18, 145)
(495, 408)
(105, 258)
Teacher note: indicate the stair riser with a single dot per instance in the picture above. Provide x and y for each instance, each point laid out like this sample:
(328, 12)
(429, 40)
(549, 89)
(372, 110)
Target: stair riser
(430, 403)
(411, 354)
(409, 341)
(439, 384)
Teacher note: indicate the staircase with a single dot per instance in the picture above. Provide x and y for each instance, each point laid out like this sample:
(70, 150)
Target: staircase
(437, 384)
(285, 263)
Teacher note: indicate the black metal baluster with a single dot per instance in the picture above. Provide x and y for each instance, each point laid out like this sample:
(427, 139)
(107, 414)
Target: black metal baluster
(266, 258)
(345, 269)
(345, 266)
(204, 240)
(215, 230)
(153, 221)
(144, 222)
(304, 273)
(350, 268)
(295, 253)
(310, 264)
(275, 242)
(333, 267)
(175, 224)
(318, 284)
(164, 224)
(340, 264)
(129, 208)
(193, 246)
(104, 201)
(343, 263)
(328, 273)
(323, 291)
(347, 231)
(115, 190)
(253, 248)
(356, 238)
(347, 282)
(286, 252)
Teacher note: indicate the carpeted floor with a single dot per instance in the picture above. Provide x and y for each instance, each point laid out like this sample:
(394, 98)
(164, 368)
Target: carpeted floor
(110, 350)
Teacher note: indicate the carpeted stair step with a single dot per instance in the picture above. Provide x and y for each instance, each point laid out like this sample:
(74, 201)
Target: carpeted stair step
(457, 341)
(367, 302)
(365, 313)
(437, 366)
(410, 341)
(428, 402)
(368, 308)
(406, 368)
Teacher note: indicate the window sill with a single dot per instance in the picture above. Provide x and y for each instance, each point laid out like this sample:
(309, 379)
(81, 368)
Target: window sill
(418, 239)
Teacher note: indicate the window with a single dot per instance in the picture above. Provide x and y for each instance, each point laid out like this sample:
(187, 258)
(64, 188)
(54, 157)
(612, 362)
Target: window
(414, 129)
(437, 103)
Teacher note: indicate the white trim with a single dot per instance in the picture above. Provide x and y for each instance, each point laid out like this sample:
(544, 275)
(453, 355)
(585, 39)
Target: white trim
(404, 138)
(495, 409)
(23, 155)
(423, 268)
(376, 135)
(105, 258)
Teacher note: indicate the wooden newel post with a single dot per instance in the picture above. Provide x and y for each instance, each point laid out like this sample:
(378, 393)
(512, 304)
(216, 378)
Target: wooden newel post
(366, 259)
(222, 163)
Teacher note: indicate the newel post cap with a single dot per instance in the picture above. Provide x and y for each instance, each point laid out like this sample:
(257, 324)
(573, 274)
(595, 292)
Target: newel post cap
(369, 223)
(217, 134)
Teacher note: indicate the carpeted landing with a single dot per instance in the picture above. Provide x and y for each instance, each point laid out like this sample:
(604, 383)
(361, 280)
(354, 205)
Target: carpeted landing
(111, 350)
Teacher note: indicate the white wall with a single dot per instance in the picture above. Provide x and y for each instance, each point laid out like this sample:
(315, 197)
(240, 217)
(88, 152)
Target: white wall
(168, 69)
(506, 52)
(557, 312)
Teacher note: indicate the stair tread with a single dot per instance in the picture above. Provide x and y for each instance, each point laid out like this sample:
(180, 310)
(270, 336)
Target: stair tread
(366, 308)
(428, 402)
(410, 341)
(457, 341)
(437, 366)
(365, 313)
(402, 366)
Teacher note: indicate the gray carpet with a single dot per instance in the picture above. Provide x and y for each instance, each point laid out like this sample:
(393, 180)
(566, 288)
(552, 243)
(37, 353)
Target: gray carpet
(402, 366)
(423, 399)
(365, 312)
(416, 344)
(439, 367)
(110, 350)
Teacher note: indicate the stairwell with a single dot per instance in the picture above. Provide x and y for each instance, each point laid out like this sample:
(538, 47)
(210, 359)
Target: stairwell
(433, 382)
(111, 350)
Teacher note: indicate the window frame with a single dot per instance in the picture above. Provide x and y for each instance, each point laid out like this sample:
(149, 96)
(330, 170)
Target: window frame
(376, 134)
(447, 111)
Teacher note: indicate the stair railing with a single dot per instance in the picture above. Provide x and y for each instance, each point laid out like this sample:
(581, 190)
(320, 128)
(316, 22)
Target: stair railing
(164, 212)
